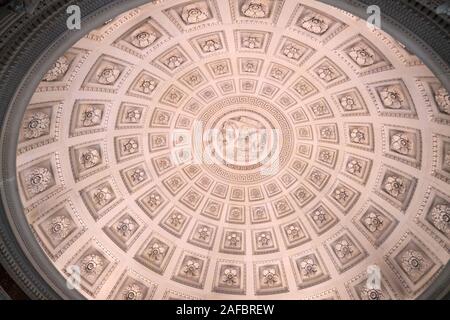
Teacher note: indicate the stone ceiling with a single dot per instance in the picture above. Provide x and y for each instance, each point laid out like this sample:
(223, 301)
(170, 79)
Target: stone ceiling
(124, 166)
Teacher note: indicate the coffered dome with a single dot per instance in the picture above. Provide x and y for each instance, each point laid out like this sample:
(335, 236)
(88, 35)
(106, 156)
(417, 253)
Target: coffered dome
(237, 149)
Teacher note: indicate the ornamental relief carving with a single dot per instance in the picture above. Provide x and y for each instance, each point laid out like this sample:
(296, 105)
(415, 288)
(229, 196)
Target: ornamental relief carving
(314, 23)
(95, 265)
(194, 78)
(124, 229)
(144, 85)
(36, 124)
(155, 253)
(233, 241)
(173, 60)
(152, 202)
(208, 44)
(175, 221)
(343, 196)
(396, 187)
(344, 250)
(63, 70)
(212, 209)
(58, 70)
(105, 75)
(195, 13)
(264, 241)
(59, 227)
(309, 269)
(393, 98)
(191, 270)
(322, 218)
(432, 216)
(270, 277)
(256, 8)
(142, 38)
(358, 289)
(38, 179)
(403, 144)
(294, 233)
(203, 235)
(375, 223)
(328, 73)
(101, 197)
(442, 100)
(89, 157)
(40, 126)
(364, 58)
(130, 115)
(412, 263)
(133, 286)
(230, 277)
(304, 88)
(351, 103)
(252, 40)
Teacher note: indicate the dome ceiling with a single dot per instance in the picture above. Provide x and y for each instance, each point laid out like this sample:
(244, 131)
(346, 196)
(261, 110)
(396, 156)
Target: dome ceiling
(238, 149)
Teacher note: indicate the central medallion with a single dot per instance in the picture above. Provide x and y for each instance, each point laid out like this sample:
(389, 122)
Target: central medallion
(243, 139)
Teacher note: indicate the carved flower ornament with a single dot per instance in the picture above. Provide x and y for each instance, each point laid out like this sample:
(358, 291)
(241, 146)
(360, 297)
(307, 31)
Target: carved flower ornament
(58, 69)
(38, 180)
(108, 75)
(147, 85)
(90, 158)
(156, 251)
(392, 97)
(229, 276)
(92, 265)
(343, 249)
(132, 292)
(348, 103)
(194, 13)
(60, 227)
(126, 227)
(414, 263)
(363, 56)
(143, 39)
(270, 277)
(36, 125)
(315, 24)
(395, 186)
(401, 143)
(374, 222)
(293, 231)
(255, 9)
(308, 267)
(443, 100)
(440, 216)
(191, 268)
(103, 196)
(233, 239)
(354, 167)
(92, 116)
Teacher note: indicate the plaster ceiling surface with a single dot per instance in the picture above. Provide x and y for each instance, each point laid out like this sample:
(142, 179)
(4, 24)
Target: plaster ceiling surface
(237, 150)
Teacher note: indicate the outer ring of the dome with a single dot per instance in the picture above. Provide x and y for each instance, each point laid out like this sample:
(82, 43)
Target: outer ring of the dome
(30, 45)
